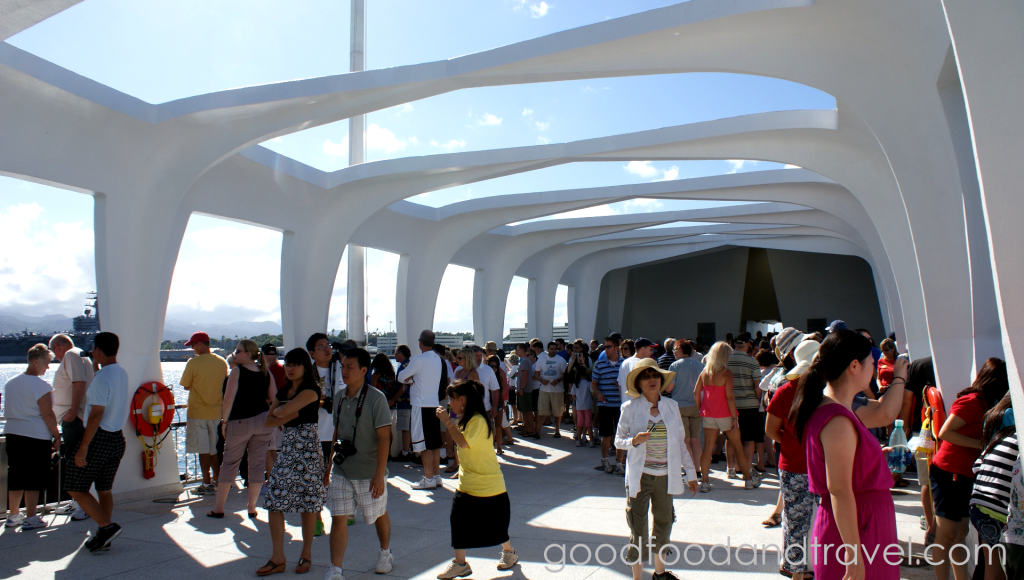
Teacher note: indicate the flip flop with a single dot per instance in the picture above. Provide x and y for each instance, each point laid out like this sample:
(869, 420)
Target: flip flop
(299, 569)
(451, 468)
(270, 568)
(253, 515)
(772, 521)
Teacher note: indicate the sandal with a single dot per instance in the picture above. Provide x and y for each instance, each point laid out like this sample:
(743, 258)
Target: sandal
(213, 514)
(452, 468)
(900, 483)
(270, 568)
(303, 566)
(253, 515)
(774, 520)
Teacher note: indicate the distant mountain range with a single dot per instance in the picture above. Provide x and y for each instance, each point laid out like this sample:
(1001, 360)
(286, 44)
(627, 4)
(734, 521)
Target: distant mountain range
(173, 329)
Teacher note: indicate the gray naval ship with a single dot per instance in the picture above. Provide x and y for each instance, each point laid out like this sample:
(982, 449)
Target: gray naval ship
(13, 347)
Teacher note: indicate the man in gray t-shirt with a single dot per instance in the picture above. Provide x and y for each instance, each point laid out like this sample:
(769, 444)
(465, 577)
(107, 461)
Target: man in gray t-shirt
(687, 370)
(525, 395)
(361, 479)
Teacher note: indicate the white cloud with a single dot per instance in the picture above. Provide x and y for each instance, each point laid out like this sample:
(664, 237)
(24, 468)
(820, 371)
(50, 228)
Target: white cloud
(542, 126)
(414, 140)
(642, 168)
(336, 149)
(43, 263)
(379, 138)
(543, 140)
(669, 174)
(449, 146)
(406, 108)
(641, 205)
(539, 10)
(740, 164)
(527, 112)
(489, 119)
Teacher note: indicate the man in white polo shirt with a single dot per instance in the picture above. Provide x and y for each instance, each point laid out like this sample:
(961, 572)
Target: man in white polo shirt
(70, 383)
(424, 374)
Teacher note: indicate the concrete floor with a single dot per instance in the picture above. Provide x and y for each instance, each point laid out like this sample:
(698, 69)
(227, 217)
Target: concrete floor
(557, 499)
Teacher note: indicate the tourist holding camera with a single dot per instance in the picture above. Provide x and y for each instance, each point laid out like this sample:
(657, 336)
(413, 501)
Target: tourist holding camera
(362, 438)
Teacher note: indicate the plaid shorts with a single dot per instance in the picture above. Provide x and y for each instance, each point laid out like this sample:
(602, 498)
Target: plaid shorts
(102, 461)
(344, 494)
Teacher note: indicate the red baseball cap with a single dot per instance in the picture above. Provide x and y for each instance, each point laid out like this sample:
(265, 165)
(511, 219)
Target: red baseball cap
(198, 337)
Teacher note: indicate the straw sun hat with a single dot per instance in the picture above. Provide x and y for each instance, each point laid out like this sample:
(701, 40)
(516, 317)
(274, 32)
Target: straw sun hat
(648, 363)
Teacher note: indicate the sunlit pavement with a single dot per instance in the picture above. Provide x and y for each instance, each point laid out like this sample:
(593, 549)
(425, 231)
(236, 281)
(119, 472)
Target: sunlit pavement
(558, 499)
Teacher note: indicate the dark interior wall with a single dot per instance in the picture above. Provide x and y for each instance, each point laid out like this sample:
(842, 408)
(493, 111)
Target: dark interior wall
(809, 285)
(669, 299)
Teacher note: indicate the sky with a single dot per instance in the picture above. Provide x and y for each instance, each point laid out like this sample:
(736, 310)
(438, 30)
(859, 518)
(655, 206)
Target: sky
(164, 51)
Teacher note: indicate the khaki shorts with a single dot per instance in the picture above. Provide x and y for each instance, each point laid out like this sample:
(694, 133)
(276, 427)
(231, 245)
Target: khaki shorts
(201, 436)
(551, 404)
(723, 424)
(691, 422)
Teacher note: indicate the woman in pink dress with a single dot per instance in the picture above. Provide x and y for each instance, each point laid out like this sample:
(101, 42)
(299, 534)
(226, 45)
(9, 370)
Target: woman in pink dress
(856, 520)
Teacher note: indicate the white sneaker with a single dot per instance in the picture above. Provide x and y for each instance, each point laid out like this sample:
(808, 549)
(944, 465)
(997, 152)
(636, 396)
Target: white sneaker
(609, 466)
(334, 573)
(438, 481)
(425, 483)
(754, 481)
(67, 509)
(33, 523)
(14, 521)
(79, 515)
(705, 487)
(384, 562)
(731, 474)
(455, 570)
(619, 469)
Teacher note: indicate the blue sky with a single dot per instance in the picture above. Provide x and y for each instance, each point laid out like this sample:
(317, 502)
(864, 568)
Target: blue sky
(165, 51)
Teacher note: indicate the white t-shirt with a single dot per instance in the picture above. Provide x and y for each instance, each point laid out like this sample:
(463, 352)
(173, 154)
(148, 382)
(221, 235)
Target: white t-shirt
(489, 381)
(627, 365)
(424, 371)
(324, 423)
(551, 369)
(21, 401)
(109, 389)
(72, 368)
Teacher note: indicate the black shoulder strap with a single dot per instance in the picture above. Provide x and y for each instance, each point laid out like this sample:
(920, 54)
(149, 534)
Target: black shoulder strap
(442, 385)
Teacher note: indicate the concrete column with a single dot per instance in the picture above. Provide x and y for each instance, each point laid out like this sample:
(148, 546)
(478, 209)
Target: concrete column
(356, 293)
(570, 310)
(308, 271)
(532, 311)
(988, 40)
(136, 248)
(490, 295)
(357, 63)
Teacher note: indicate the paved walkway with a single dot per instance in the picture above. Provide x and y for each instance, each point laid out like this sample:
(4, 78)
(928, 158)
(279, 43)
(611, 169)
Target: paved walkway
(557, 499)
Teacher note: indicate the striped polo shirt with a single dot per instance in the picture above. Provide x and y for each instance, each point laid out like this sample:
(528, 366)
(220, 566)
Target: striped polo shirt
(746, 374)
(605, 376)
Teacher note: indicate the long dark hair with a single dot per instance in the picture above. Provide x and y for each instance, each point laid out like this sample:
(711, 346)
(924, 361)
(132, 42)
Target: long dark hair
(837, 351)
(382, 365)
(310, 378)
(473, 392)
(992, 431)
(992, 381)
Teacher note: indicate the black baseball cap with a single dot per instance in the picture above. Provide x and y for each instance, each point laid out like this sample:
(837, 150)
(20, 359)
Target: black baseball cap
(269, 349)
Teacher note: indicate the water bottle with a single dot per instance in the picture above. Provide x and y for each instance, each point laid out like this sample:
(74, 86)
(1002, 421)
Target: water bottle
(899, 450)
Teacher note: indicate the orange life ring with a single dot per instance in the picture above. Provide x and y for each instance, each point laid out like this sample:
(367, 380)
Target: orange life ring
(933, 403)
(152, 409)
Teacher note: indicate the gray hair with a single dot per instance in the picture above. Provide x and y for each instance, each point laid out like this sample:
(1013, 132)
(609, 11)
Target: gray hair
(61, 340)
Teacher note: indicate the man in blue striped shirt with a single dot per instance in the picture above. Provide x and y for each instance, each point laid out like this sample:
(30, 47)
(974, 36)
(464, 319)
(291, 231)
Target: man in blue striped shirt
(606, 391)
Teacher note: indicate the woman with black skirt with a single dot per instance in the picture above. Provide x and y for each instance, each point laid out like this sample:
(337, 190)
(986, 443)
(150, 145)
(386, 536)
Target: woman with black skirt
(480, 510)
(32, 438)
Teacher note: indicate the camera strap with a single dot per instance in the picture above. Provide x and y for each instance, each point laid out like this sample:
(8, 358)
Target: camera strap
(359, 408)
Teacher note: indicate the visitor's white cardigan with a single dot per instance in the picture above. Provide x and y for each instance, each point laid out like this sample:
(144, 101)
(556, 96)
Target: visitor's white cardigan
(632, 421)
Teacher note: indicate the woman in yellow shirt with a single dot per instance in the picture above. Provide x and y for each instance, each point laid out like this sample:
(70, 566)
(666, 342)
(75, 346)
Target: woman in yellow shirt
(480, 510)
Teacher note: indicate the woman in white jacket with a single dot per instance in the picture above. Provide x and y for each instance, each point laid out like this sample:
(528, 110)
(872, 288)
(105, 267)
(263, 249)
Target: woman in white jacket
(651, 430)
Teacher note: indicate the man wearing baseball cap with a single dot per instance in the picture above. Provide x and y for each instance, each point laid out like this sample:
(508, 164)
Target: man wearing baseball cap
(203, 378)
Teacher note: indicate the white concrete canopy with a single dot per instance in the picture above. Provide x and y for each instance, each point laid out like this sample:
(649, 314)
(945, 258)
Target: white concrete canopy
(911, 171)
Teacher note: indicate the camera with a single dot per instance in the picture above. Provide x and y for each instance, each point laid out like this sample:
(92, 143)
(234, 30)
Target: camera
(343, 449)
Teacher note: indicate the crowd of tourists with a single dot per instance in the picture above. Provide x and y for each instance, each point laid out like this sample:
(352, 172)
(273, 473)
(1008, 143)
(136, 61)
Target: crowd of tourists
(320, 429)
